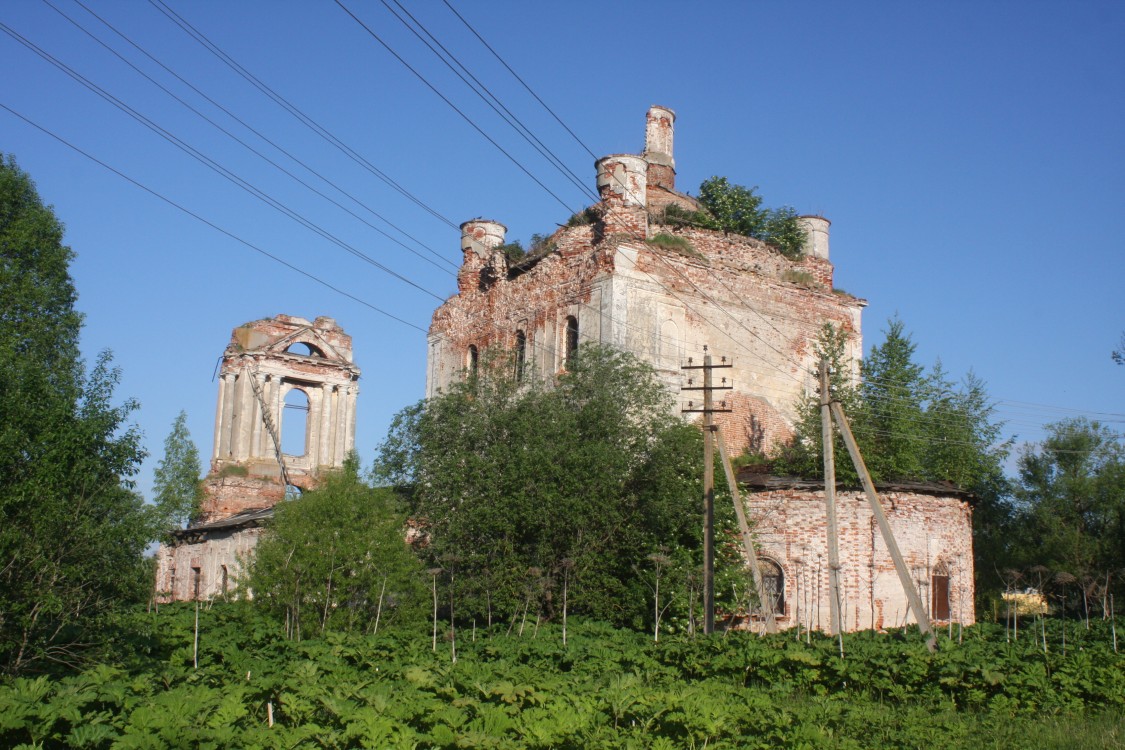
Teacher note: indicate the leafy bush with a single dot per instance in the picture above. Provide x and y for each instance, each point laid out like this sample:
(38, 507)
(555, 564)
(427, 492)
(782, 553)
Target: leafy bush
(533, 492)
(513, 251)
(336, 559)
(738, 210)
(588, 215)
(606, 688)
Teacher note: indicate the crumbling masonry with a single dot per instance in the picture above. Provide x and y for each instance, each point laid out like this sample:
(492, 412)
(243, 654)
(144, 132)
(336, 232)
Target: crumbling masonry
(270, 365)
(615, 281)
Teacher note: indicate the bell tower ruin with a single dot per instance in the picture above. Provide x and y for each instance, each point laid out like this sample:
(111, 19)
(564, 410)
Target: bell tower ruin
(285, 413)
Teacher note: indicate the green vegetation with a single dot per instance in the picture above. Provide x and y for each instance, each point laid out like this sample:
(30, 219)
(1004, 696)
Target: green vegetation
(336, 559)
(513, 251)
(538, 499)
(911, 425)
(738, 210)
(234, 470)
(1070, 512)
(681, 245)
(586, 216)
(606, 688)
(72, 530)
(800, 278)
(176, 485)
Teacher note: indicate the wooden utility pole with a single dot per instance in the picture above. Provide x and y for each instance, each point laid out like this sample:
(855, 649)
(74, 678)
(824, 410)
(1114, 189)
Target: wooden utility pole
(747, 541)
(830, 501)
(908, 587)
(708, 478)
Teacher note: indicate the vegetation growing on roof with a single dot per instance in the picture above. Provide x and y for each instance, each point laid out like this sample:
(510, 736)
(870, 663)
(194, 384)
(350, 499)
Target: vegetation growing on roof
(513, 251)
(675, 243)
(738, 210)
(588, 215)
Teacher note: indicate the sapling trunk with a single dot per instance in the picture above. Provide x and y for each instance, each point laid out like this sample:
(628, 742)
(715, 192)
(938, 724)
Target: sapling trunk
(379, 607)
(195, 640)
(523, 621)
(566, 576)
(452, 620)
(434, 574)
(1112, 624)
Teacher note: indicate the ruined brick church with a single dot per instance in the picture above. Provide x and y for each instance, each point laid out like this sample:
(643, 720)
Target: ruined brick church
(623, 274)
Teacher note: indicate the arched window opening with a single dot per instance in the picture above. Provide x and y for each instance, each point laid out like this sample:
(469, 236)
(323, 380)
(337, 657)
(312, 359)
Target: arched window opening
(773, 581)
(939, 593)
(521, 354)
(474, 360)
(304, 349)
(295, 423)
(571, 337)
(196, 582)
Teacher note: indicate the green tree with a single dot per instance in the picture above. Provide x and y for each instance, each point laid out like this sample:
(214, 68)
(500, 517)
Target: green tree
(913, 426)
(176, 484)
(893, 424)
(336, 558)
(1071, 501)
(522, 486)
(738, 209)
(1119, 353)
(72, 530)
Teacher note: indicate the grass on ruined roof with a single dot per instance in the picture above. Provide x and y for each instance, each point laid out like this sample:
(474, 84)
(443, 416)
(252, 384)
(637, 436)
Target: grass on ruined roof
(676, 244)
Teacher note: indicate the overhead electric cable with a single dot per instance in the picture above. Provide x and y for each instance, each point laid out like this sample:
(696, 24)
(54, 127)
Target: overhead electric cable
(453, 106)
(254, 151)
(517, 77)
(285, 104)
(214, 226)
(506, 115)
(210, 163)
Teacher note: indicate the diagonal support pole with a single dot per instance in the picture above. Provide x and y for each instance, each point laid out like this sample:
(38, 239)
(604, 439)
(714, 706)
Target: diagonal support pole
(744, 530)
(885, 527)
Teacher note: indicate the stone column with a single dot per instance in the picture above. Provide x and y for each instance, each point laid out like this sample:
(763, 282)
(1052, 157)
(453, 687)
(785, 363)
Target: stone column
(277, 406)
(226, 423)
(240, 442)
(348, 417)
(257, 428)
(219, 416)
(324, 445)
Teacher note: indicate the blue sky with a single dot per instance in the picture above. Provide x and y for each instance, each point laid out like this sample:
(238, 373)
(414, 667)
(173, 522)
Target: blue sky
(970, 156)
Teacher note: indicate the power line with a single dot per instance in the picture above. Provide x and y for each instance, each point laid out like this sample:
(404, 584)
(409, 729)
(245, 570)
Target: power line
(506, 115)
(214, 226)
(293, 109)
(250, 148)
(453, 106)
(210, 163)
(517, 77)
